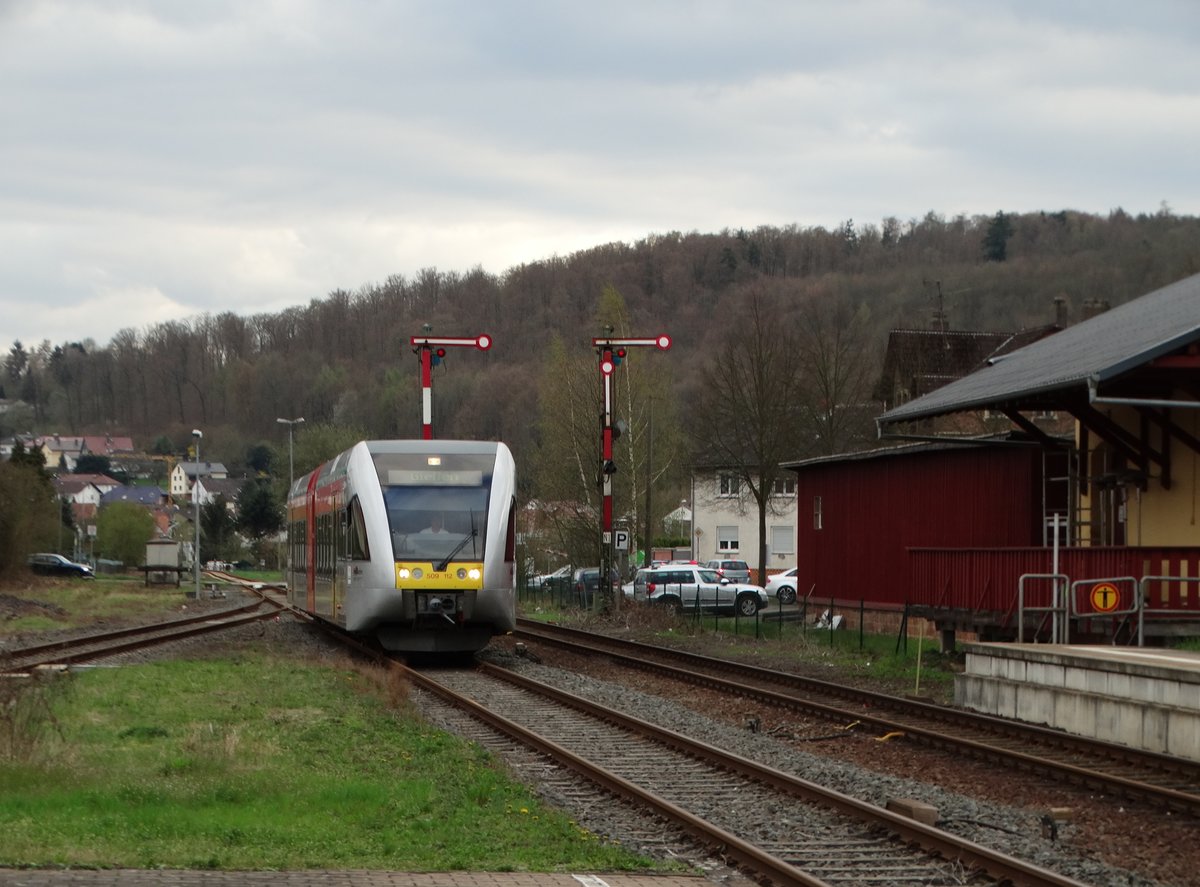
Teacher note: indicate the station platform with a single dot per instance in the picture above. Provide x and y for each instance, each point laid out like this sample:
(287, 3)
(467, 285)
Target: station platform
(358, 878)
(1144, 698)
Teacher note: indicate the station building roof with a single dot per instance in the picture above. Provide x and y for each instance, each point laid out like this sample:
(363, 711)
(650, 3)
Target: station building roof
(1142, 349)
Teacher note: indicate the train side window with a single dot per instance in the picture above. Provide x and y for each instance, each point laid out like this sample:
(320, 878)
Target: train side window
(359, 549)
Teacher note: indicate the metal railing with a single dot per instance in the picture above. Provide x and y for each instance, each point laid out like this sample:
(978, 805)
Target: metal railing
(1126, 599)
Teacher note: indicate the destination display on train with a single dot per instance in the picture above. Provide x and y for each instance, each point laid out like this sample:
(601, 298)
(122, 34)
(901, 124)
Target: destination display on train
(408, 477)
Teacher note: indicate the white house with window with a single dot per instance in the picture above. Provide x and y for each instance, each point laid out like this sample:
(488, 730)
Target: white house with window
(184, 474)
(725, 519)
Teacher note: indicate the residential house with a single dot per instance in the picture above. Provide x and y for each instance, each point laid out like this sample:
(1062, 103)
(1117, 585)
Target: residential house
(84, 492)
(918, 361)
(61, 453)
(209, 488)
(725, 519)
(102, 482)
(107, 445)
(146, 496)
(184, 474)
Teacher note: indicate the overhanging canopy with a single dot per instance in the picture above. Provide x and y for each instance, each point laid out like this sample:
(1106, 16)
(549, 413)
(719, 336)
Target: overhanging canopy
(1144, 351)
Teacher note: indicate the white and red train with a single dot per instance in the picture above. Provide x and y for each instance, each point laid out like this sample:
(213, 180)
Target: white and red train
(410, 541)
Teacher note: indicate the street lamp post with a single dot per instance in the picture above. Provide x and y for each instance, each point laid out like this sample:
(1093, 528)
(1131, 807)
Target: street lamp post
(199, 435)
(291, 424)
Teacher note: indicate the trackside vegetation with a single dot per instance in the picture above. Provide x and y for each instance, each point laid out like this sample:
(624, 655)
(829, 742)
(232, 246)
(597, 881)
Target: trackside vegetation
(262, 761)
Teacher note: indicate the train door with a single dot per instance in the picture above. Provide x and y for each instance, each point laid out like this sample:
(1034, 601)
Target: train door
(310, 545)
(342, 565)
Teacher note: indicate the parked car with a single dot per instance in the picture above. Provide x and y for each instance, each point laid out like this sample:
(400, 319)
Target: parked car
(586, 582)
(783, 586)
(730, 568)
(683, 586)
(562, 574)
(637, 587)
(57, 565)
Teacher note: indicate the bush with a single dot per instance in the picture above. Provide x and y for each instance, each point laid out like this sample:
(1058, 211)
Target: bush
(28, 514)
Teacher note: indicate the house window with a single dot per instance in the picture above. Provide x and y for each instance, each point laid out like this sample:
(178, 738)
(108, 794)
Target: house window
(727, 539)
(818, 518)
(784, 486)
(783, 540)
(729, 485)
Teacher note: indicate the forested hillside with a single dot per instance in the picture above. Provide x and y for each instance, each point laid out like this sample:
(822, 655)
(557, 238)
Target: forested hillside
(344, 357)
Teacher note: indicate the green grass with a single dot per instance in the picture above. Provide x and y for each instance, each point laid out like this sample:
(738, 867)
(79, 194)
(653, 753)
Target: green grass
(913, 667)
(264, 762)
(264, 576)
(54, 604)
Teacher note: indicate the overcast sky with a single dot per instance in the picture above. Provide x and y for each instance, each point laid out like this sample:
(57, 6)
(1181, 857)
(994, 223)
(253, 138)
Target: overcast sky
(160, 159)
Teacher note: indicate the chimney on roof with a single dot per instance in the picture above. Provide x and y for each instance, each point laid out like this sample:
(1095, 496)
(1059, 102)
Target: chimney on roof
(1092, 307)
(1060, 312)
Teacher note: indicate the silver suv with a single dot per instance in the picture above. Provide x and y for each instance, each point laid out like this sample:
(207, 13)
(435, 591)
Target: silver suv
(686, 586)
(730, 568)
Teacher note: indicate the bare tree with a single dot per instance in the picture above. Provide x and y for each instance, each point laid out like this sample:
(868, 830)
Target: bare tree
(568, 447)
(749, 411)
(839, 369)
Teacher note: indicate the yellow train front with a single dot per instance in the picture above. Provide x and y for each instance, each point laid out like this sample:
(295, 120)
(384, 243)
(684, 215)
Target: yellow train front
(410, 541)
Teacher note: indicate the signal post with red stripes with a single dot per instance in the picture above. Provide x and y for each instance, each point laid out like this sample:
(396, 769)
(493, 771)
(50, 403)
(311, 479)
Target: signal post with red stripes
(611, 352)
(432, 349)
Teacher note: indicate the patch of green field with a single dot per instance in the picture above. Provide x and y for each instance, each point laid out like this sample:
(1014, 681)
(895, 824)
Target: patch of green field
(265, 762)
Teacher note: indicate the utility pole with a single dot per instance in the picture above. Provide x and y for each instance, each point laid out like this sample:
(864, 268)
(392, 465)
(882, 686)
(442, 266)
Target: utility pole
(199, 435)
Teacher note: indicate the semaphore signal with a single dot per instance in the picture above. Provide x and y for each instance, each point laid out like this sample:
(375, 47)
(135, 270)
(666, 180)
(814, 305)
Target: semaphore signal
(612, 351)
(432, 350)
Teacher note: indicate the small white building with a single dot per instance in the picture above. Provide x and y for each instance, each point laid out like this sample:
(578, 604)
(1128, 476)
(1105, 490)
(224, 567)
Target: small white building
(79, 489)
(184, 474)
(725, 520)
(207, 489)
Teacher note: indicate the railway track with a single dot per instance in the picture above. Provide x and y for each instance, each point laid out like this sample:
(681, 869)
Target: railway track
(775, 826)
(1161, 780)
(101, 645)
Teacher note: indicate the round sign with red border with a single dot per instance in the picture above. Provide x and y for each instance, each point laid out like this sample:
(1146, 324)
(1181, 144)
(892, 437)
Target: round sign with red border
(1105, 597)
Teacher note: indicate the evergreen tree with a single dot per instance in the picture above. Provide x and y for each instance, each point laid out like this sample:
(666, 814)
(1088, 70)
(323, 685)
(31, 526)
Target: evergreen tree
(995, 241)
(218, 531)
(259, 511)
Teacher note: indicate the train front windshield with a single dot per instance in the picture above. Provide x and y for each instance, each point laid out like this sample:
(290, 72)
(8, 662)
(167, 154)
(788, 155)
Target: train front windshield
(437, 505)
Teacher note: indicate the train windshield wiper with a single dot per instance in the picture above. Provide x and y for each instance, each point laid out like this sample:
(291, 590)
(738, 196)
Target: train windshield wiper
(459, 547)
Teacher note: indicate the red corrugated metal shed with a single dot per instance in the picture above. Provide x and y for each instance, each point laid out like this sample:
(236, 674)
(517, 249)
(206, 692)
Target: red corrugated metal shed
(874, 506)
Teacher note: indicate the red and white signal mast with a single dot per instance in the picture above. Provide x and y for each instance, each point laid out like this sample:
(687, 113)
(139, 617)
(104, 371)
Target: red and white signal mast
(432, 350)
(612, 351)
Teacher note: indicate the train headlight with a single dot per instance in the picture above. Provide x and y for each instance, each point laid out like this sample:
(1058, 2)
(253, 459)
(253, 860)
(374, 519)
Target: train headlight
(417, 573)
(462, 574)
(474, 573)
(404, 573)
